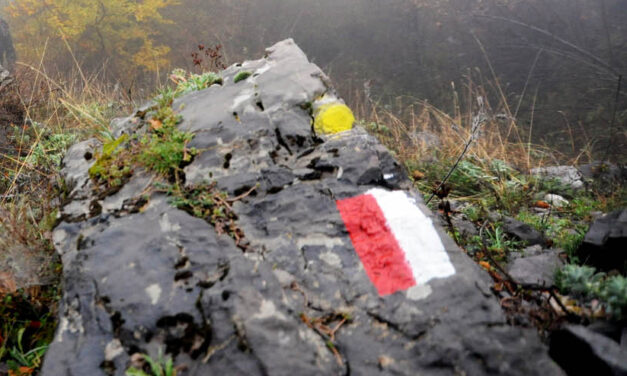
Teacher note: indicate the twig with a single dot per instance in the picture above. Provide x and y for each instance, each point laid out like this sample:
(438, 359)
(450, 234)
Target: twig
(477, 122)
(294, 286)
(243, 195)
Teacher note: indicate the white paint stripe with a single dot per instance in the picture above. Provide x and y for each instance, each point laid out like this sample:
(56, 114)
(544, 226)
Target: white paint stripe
(415, 234)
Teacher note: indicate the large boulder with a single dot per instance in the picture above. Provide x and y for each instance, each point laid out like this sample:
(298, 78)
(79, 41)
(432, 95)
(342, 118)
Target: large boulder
(293, 296)
(605, 243)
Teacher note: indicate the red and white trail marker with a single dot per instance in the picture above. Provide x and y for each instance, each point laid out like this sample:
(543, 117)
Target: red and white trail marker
(396, 242)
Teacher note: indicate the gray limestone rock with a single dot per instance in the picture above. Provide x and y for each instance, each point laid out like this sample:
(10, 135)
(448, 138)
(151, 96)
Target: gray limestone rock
(604, 173)
(605, 244)
(537, 269)
(583, 352)
(522, 231)
(570, 176)
(140, 278)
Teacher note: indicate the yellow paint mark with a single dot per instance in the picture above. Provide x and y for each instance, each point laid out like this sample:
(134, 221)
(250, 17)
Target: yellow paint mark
(333, 118)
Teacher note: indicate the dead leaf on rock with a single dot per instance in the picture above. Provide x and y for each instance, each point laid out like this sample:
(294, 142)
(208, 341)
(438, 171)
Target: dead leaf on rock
(486, 265)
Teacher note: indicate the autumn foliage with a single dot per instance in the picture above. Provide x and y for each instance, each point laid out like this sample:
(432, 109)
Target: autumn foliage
(121, 33)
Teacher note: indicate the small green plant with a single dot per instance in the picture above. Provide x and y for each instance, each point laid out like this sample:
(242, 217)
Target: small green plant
(165, 150)
(48, 153)
(241, 76)
(186, 83)
(553, 185)
(160, 367)
(534, 220)
(113, 165)
(570, 242)
(467, 179)
(20, 358)
(499, 243)
(614, 294)
(585, 283)
(206, 202)
(579, 280)
(581, 207)
(26, 328)
(472, 213)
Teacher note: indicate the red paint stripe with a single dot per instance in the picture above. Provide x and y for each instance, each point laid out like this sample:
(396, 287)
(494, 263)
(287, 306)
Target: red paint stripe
(382, 257)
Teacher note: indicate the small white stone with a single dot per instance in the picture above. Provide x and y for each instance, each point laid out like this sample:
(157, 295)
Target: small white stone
(154, 292)
(113, 349)
(556, 201)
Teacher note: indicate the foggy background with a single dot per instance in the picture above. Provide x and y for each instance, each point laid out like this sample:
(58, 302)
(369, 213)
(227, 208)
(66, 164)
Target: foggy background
(553, 65)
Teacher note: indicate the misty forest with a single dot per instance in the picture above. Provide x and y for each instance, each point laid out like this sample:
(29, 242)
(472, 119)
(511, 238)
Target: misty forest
(507, 117)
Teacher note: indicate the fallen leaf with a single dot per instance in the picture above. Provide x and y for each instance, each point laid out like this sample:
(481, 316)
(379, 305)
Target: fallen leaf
(486, 265)
(155, 124)
(417, 175)
(22, 371)
(542, 204)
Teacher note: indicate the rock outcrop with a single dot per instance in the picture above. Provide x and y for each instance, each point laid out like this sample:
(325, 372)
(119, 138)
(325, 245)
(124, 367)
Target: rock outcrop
(292, 296)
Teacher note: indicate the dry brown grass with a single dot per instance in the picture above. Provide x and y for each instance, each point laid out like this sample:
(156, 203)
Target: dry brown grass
(57, 111)
(500, 137)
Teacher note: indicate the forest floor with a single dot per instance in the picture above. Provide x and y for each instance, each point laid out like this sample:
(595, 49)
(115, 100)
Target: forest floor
(491, 182)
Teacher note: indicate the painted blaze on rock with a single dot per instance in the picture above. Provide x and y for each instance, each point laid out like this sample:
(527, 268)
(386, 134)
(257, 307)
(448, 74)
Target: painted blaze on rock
(396, 242)
(141, 280)
(330, 118)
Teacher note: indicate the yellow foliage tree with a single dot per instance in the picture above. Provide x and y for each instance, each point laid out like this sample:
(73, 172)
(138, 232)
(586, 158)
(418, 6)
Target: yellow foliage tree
(122, 33)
